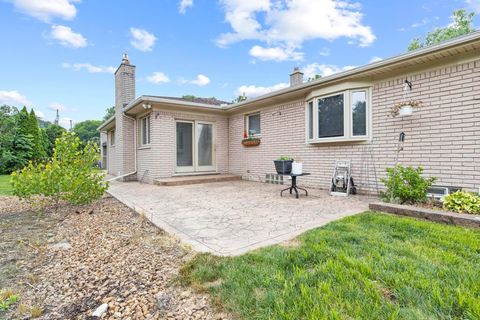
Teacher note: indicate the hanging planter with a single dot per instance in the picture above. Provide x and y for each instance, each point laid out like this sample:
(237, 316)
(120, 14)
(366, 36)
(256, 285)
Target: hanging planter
(251, 142)
(405, 109)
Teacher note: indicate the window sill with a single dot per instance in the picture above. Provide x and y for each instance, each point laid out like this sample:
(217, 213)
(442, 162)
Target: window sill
(337, 140)
(144, 147)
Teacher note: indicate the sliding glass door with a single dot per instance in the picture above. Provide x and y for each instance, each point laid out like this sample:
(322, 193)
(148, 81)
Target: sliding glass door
(195, 146)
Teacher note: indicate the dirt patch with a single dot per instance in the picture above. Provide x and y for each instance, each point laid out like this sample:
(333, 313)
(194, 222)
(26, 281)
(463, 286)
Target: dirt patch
(111, 255)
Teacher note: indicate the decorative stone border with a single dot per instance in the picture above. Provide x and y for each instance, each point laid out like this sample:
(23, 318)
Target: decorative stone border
(458, 219)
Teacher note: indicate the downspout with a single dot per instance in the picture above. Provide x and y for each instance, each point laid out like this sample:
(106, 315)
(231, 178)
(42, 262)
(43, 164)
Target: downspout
(134, 149)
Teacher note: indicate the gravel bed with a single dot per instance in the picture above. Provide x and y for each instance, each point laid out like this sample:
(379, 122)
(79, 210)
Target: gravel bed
(107, 254)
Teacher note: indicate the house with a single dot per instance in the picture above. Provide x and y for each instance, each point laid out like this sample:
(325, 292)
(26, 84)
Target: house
(342, 116)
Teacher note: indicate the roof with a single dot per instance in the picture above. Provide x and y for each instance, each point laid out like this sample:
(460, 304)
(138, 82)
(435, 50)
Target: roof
(213, 101)
(446, 49)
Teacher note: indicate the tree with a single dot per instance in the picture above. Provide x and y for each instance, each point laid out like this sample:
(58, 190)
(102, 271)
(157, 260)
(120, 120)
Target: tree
(240, 98)
(68, 176)
(34, 131)
(53, 132)
(87, 131)
(461, 25)
(109, 112)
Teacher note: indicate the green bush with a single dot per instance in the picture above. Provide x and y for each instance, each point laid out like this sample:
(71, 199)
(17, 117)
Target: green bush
(406, 185)
(68, 176)
(462, 202)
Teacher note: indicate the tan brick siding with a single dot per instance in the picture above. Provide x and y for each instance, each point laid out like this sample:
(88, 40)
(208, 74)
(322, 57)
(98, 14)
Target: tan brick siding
(442, 136)
(159, 157)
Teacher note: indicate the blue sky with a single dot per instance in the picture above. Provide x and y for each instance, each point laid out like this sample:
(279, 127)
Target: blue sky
(61, 53)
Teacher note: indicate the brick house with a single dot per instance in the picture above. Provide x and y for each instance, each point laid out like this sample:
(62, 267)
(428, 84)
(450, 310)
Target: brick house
(342, 116)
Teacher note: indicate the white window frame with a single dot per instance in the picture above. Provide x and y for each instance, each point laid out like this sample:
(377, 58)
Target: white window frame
(347, 117)
(112, 138)
(148, 130)
(247, 123)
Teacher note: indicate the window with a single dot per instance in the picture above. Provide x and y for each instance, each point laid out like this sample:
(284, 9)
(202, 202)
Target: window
(342, 116)
(330, 116)
(145, 130)
(112, 137)
(253, 124)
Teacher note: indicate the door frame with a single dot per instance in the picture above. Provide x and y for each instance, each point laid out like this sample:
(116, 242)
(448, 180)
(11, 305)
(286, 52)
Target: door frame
(195, 168)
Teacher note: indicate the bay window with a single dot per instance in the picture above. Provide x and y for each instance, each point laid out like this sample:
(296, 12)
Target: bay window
(342, 116)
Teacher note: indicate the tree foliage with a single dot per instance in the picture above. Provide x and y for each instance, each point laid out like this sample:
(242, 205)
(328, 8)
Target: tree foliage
(52, 132)
(109, 112)
(461, 25)
(87, 131)
(69, 175)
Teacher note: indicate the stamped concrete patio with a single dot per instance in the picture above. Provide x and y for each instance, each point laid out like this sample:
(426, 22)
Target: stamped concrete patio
(231, 218)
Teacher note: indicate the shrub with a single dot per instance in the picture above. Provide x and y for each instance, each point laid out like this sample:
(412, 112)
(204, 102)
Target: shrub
(462, 202)
(69, 175)
(406, 185)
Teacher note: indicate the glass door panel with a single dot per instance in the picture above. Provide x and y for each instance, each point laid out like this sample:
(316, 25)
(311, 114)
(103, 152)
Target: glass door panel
(205, 147)
(185, 159)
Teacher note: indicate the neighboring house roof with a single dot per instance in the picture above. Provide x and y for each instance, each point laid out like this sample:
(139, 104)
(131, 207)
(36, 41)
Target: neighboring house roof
(446, 49)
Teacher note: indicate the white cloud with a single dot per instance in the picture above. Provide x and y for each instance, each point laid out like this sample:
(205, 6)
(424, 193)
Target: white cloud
(290, 23)
(14, 98)
(419, 24)
(201, 80)
(184, 4)
(88, 67)
(39, 114)
(46, 10)
(325, 52)
(309, 71)
(275, 53)
(474, 5)
(252, 91)
(57, 106)
(67, 37)
(142, 39)
(158, 78)
(375, 59)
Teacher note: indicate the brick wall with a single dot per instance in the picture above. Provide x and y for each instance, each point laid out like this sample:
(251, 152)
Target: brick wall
(159, 157)
(443, 136)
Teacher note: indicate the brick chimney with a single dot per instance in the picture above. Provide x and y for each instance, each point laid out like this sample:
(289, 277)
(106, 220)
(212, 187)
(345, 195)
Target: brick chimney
(296, 78)
(124, 127)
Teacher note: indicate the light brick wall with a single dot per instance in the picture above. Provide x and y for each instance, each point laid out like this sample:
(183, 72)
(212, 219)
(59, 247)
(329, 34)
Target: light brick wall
(111, 156)
(159, 157)
(124, 127)
(443, 136)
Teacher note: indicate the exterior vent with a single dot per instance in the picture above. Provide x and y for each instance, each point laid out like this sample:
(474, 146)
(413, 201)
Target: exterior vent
(273, 178)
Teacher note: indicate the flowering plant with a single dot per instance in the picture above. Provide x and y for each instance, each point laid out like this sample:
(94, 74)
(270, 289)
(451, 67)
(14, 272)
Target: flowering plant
(394, 111)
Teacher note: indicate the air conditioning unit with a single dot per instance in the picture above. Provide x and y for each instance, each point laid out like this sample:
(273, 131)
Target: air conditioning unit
(437, 192)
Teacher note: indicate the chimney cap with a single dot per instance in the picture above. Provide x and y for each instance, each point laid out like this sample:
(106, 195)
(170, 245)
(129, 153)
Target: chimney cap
(296, 70)
(125, 59)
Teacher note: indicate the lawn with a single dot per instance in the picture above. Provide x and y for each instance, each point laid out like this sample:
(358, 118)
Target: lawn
(369, 266)
(5, 187)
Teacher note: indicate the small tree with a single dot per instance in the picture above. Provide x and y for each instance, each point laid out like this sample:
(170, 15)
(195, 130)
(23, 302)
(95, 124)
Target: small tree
(68, 176)
(406, 185)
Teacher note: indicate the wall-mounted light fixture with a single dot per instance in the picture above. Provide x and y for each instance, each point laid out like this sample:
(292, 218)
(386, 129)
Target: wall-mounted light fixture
(146, 106)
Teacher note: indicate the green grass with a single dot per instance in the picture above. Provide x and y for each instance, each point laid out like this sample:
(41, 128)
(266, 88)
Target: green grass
(369, 266)
(5, 187)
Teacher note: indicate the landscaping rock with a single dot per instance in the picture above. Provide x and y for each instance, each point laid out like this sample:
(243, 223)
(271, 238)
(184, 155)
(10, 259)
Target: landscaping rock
(100, 310)
(64, 244)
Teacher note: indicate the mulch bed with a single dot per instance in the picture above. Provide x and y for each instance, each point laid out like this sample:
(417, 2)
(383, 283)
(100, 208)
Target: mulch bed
(76, 259)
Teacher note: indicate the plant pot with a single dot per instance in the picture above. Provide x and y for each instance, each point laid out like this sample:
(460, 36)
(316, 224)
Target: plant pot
(250, 142)
(405, 111)
(283, 166)
(297, 168)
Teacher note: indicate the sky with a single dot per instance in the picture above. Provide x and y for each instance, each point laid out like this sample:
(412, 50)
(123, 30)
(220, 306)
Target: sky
(61, 54)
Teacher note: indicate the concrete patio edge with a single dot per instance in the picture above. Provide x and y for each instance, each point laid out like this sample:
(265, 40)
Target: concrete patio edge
(458, 219)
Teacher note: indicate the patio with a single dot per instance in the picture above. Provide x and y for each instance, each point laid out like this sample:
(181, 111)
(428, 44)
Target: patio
(231, 218)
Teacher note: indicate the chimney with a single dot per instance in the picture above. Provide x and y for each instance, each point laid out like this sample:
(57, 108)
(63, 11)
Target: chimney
(124, 127)
(124, 83)
(296, 78)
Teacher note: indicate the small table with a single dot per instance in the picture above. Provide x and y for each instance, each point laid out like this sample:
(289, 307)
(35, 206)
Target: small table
(294, 184)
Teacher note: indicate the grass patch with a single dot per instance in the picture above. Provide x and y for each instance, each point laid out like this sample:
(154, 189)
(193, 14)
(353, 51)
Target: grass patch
(368, 266)
(5, 187)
